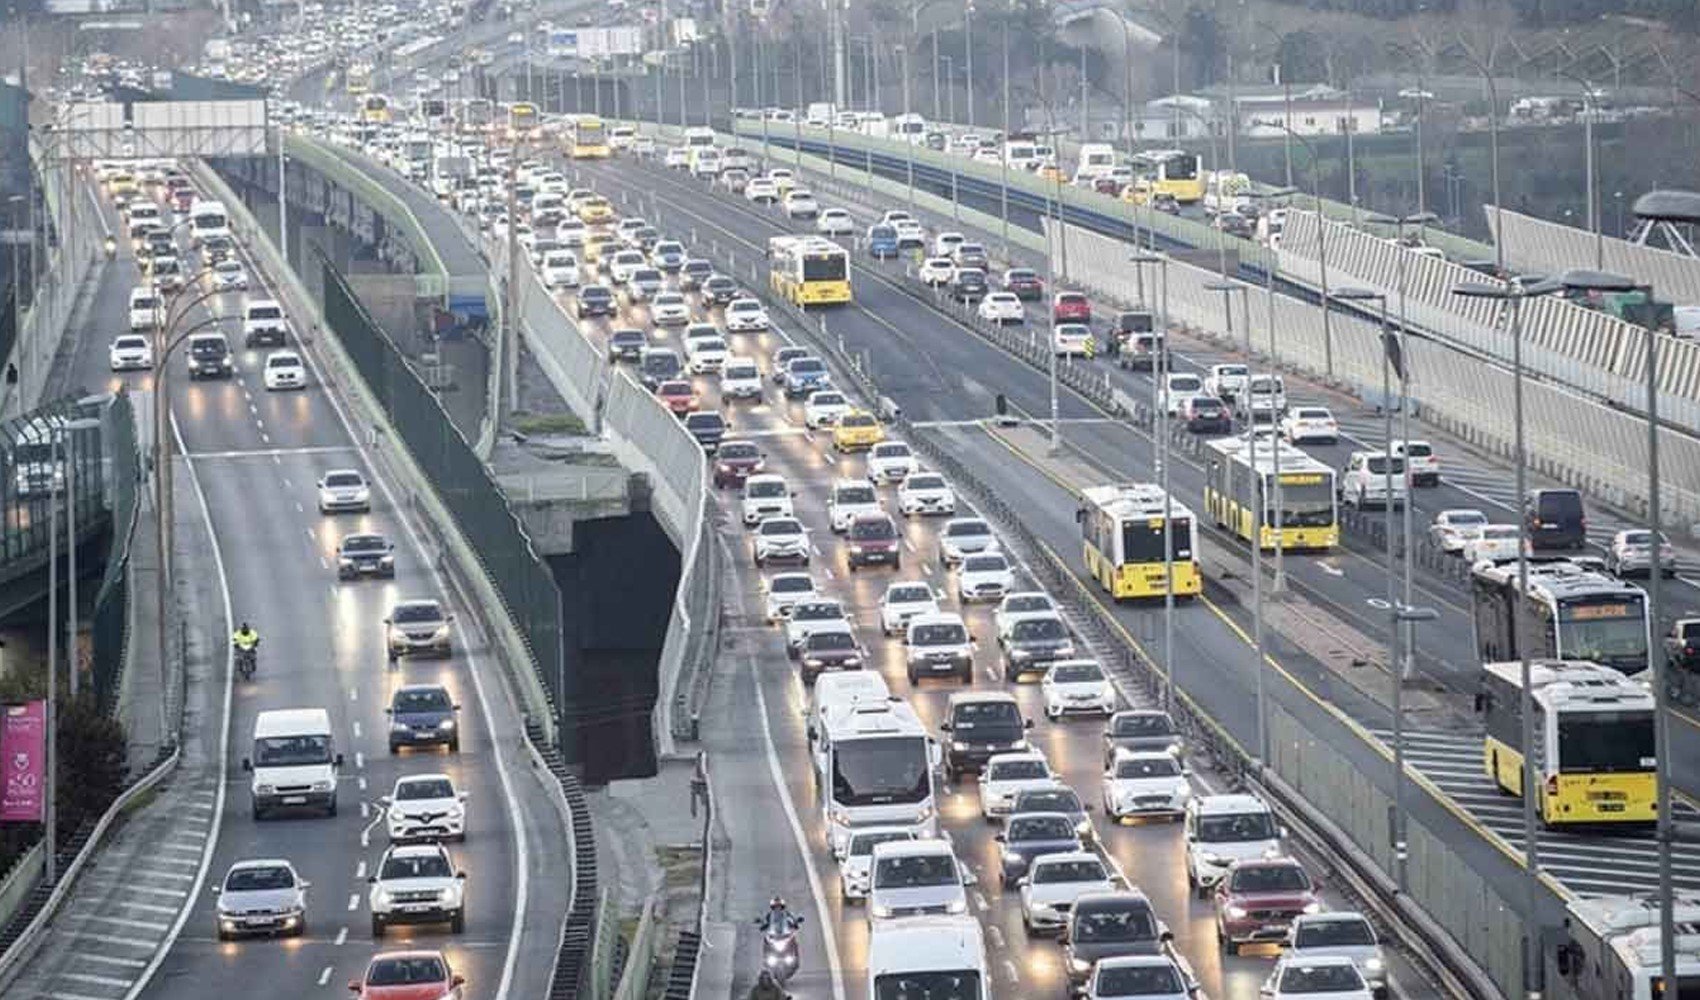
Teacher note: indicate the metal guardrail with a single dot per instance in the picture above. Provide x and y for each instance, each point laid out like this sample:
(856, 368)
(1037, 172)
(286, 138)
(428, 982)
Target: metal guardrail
(1551, 248)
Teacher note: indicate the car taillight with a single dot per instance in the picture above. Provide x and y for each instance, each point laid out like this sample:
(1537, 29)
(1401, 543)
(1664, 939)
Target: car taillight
(1552, 784)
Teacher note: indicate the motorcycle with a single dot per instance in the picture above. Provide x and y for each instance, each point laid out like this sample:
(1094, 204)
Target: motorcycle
(779, 949)
(111, 247)
(246, 661)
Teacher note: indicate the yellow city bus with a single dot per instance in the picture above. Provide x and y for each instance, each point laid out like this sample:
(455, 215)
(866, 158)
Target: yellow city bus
(375, 109)
(1122, 528)
(1311, 516)
(358, 79)
(1172, 171)
(809, 270)
(1594, 735)
(522, 119)
(588, 139)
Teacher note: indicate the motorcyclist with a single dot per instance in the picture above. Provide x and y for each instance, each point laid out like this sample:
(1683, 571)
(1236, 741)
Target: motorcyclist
(245, 638)
(778, 919)
(767, 988)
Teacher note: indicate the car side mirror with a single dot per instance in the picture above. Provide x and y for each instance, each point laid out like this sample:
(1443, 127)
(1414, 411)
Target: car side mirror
(247, 765)
(387, 622)
(1282, 831)
(215, 890)
(371, 880)
(457, 706)
(338, 761)
(945, 727)
(389, 711)
(968, 876)
(303, 884)
(1167, 937)
(1086, 807)
(383, 800)
(462, 796)
(354, 986)
(458, 979)
(1000, 838)
(1023, 882)
(461, 876)
(1027, 723)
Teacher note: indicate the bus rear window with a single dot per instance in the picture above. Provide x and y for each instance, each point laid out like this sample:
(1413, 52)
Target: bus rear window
(827, 267)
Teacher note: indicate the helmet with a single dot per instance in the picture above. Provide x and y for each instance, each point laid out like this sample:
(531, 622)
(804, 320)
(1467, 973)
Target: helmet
(777, 904)
(245, 628)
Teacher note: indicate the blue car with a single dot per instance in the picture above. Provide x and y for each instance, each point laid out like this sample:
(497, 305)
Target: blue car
(882, 241)
(423, 715)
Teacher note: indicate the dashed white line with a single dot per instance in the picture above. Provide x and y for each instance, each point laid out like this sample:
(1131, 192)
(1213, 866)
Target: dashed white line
(359, 760)
(356, 725)
(325, 975)
(360, 871)
(353, 901)
(342, 936)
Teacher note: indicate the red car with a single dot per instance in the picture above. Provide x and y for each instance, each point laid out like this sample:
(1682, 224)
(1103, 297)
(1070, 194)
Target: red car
(677, 395)
(408, 975)
(874, 539)
(1071, 307)
(1256, 902)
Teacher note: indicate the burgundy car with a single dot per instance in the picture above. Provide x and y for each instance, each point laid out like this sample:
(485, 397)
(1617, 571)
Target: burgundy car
(1071, 307)
(1256, 901)
(736, 462)
(873, 538)
(1025, 283)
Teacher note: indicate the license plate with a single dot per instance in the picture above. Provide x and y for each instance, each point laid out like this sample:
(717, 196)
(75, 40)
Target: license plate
(260, 922)
(295, 800)
(1274, 928)
(1611, 807)
(415, 907)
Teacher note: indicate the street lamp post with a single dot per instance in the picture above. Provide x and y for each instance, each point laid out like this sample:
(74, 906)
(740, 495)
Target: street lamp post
(1160, 424)
(1321, 243)
(968, 54)
(1589, 110)
(1513, 295)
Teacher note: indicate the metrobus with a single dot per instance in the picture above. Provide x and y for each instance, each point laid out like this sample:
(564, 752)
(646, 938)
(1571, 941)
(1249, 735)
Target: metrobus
(1616, 939)
(358, 79)
(588, 139)
(1122, 529)
(1234, 474)
(1172, 171)
(375, 108)
(874, 764)
(1571, 611)
(477, 114)
(809, 270)
(1593, 740)
(522, 119)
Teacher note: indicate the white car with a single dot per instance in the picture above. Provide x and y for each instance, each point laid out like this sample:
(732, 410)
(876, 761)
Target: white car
(1001, 307)
(811, 615)
(1155, 977)
(571, 232)
(621, 267)
(765, 495)
(676, 158)
(1054, 881)
(800, 204)
(1146, 783)
(909, 232)
(916, 877)
(344, 489)
(823, 408)
(560, 269)
(1071, 339)
(1077, 686)
(1340, 933)
(1021, 604)
(1179, 386)
(937, 271)
(1452, 529)
(945, 244)
(230, 276)
(762, 190)
(855, 864)
(740, 379)
(781, 179)
(782, 537)
(904, 600)
(704, 355)
(1496, 541)
(890, 462)
(849, 499)
(1420, 459)
(130, 351)
(835, 222)
(963, 537)
(1310, 423)
(984, 576)
(1226, 381)
(744, 315)
(417, 884)
(1008, 773)
(424, 807)
(284, 370)
(1322, 977)
(926, 493)
(669, 309)
(783, 591)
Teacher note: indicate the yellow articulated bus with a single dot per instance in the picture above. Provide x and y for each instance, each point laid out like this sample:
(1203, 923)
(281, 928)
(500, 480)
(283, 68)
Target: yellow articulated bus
(375, 109)
(358, 78)
(522, 120)
(1593, 736)
(1308, 504)
(1172, 171)
(1122, 528)
(587, 139)
(809, 270)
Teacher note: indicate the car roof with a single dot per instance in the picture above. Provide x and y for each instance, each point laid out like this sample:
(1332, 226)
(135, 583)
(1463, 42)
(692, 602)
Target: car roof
(261, 863)
(415, 850)
(913, 848)
(432, 776)
(972, 697)
(1209, 805)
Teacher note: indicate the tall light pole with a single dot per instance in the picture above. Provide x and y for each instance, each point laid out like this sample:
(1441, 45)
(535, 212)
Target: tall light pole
(1160, 423)
(1321, 244)
(968, 54)
(1512, 295)
(1590, 108)
(1486, 69)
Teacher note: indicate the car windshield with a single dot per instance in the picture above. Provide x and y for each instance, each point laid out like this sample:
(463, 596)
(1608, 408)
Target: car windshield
(1305, 413)
(1418, 449)
(916, 871)
(1321, 979)
(259, 879)
(1333, 934)
(938, 634)
(857, 420)
(625, 337)
(739, 451)
(283, 361)
(826, 399)
(704, 422)
(791, 585)
(1153, 724)
(425, 788)
(1138, 981)
(973, 529)
(1148, 767)
(1040, 828)
(924, 483)
(909, 594)
(1131, 920)
(422, 700)
(817, 611)
(863, 844)
(1378, 464)
(768, 488)
(1270, 878)
(984, 564)
(1077, 673)
(292, 751)
(873, 529)
(1069, 871)
(826, 642)
(780, 526)
(1017, 770)
(857, 494)
(1049, 800)
(130, 342)
(433, 865)
(1039, 630)
(1231, 827)
(891, 450)
(1464, 518)
(264, 312)
(807, 366)
(402, 971)
(955, 984)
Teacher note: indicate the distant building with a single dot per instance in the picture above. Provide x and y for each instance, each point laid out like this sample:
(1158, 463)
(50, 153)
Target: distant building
(1309, 117)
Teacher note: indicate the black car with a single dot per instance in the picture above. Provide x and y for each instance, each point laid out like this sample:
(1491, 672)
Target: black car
(719, 289)
(365, 555)
(980, 724)
(1142, 730)
(1055, 799)
(423, 715)
(627, 345)
(657, 365)
(1033, 643)
(1207, 415)
(708, 427)
(596, 300)
(1026, 837)
(968, 285)
(1110, 925)
(209, 357)
(693, 272)
(1555, 519)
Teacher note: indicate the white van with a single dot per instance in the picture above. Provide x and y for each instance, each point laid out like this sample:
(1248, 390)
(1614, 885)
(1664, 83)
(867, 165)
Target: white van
(144, 308)
(698, 137)
(839, 689)
(621, 137)
(138, 212)
(910, 128)
(705, 162)
(1097, 159)
(947, 954)
(294, 763)
(264, 322)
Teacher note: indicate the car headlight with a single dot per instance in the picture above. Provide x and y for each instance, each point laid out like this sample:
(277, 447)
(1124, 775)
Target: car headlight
(856, 549)
(841, 815)
(1083, 827)
(1313, 907)
(881, 910)
(194, 364)
(380, 896)
(441, 633)
(852, 661)
(813, 661)
(446, 724)
(1373, 964)
(957, 906)
(387, 561)
(1020, 654)
(396, 815)
(1237, 912)
(323, 786)
(958, 746)
(398, 727)
(264, 789)
(1079, 965)
(1015, 857)
(1174, 749)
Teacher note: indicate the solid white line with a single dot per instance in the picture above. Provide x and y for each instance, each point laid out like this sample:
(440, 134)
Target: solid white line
(822, 914)
(63, 995)
(94, 956)
(90, 977)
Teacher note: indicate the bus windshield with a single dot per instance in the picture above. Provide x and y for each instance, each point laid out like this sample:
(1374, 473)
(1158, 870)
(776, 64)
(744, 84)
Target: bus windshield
(1181, 168)
(1142, 540)
(1612, 632)
(1591, 742)
(824, 267)
(1307, 505)
(881, 772)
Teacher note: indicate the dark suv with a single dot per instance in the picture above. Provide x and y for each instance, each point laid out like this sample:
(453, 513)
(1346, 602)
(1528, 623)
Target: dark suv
(1032, 643)
(627, 345)
(423, 715)
(1555, 519)
(968, 285)
(873, 538)
(596, 300)
(980, 724)
(1110, 925)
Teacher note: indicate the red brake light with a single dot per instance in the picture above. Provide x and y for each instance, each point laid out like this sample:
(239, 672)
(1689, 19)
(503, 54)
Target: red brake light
(1552, 784)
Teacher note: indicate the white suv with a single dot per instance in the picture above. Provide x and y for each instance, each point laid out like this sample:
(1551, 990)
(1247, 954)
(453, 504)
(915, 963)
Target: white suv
(425, 807)
(1365, 480)
(1223, 829)
(417, 884)
(765, 495)
(849, 499)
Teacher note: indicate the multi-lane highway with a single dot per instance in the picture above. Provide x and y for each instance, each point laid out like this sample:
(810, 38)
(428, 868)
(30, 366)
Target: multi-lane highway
(255, 457)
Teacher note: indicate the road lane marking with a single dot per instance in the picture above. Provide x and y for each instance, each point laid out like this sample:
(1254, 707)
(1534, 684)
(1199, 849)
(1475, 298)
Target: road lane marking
(356, 728)
(342, 936)
(145, 925)
(96, 978)
(359, 760)
(353, 901)
(325, 975)
(360, 871)
(95, 956)
(276, 453)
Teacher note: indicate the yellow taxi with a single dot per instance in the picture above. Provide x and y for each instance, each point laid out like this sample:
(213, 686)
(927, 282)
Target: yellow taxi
(592, 211)
(122, 184)
(597, 246)
(1137, 193)
(857, 430)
